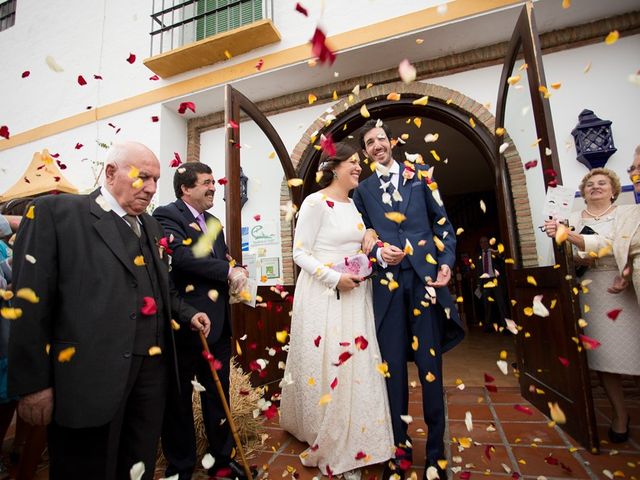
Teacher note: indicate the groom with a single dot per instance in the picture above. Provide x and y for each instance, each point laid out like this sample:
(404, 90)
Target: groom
(418, 254)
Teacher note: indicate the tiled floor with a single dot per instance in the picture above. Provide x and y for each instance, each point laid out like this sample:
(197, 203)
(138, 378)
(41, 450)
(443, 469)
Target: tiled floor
(504, 442)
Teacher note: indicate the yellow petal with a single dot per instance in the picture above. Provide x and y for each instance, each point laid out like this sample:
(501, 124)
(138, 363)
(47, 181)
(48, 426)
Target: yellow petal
(27, 294)
(500, 131)
(295, 182)
(408, 248)
(133, 172)
(465, 442)
(6, 294)
(175, 325)
(326, 398)
(187, 241)
(138, 183)
(514, 79)
(138, 261)
(531, 280)
(10, 313)
(312, 98)
(421, 101)
(418, 122)
(472, 122)
(435, 155)
(155, 350)
(65, 354)
(395, 217)
(566, 3)
(415, 344)
(557, 415)
(281, 336)
(612, 37)
(213, 295)
(416, 312)
(383, 369)
(429, 377)
(393, 285)
(227, 54)
(189, 288)
(393, 96)
(432, 352)
(556, 85)
(459, 231)
(334, 95)
(528, 311)
(364, 112)
(503, 355)
(31, 212)
(429, 258)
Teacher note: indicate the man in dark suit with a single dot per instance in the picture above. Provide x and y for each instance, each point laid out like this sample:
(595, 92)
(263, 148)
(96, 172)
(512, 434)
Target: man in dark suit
(491, 281)
(420, 312)
(204, 283)
(93, 345)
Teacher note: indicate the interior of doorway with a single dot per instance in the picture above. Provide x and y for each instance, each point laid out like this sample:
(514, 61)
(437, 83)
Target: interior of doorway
(466, 182)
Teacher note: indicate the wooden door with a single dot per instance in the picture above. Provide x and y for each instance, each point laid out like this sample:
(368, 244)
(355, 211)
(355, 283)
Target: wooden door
(551, 358)
(259, 324)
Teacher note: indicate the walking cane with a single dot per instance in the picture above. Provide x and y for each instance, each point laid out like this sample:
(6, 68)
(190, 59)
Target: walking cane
(225, 405)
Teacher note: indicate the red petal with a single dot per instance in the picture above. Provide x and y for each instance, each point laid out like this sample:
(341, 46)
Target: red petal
(404, 464)
(613, 314)
(530, 164)
(552, 183)
(111, 125)
(259, 64)
(588, 342)
(271, 412)
(56, 179)
(61, 165)
(523, 409)
(316, 341)
(26, 73)
(79, 146)
(176, 161)
(148, 306)
(491, 388)
(224, 472)
(361, 343)
(334, 384)
(327, 145)
(564, 361)
(330, 203)
(187, 105)
(233, 125)
(344, 356)
(301, 9)
(360, 455)
(27, 180)
(4, 132)
(256, 218)
(81, 80)
(131, 58)
(551, 460)
(155, 118)
(313, 448)
(154, 78)
(97, 77)
(223, 181)
(344, 344)
(320, 49)
(488, 378)
(465, 475)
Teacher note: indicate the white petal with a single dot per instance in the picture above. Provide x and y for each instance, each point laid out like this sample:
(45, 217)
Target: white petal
(406, 419)
(407, 71)
(431, 137)
(208, 461)
(197, 386)
(511, 326)
(30, 258)
(137, 471)
(538, 307)
(504, 147)
(468, 421)
(432, 473)
(502, 365)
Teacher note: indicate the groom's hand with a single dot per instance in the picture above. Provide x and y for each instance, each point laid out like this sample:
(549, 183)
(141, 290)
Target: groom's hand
(444, 275)
(392, 255)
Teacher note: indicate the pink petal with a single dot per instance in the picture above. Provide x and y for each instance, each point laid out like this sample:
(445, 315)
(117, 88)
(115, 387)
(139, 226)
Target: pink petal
(320, 49)
(131, 58)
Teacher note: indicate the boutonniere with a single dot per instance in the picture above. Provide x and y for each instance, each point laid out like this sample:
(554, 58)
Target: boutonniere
(408, 173)
(163, 246)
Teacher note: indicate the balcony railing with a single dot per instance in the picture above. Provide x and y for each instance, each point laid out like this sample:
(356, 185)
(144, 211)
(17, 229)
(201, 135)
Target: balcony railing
(177, 23)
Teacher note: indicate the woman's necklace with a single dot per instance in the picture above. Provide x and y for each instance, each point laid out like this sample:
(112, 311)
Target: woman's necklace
(599, 215)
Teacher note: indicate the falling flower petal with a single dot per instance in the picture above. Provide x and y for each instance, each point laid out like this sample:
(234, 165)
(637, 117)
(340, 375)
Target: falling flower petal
(396, 217)
(327, 145)
(588, 342)
(154, 78)
(514, 79)
(613, 314)
(557, 415)
(511, 326)
(4, 132)
(364, 111)
(10, 313)
(612, 37)
(483, 206)
(81, 80)
(28, 294)
(137, 471)
(66, 354)
(295, 182)
(320, 49)
(184, 106)
(565, 4)
(383, 369)
(301, 9)
(523, 409)
(148, 306)
(155, 350)
(131, 58)
(325, 399)
(208, 461)
(531, 280)
(52, 64)
(407, 71)
(259, 65)
(468, 421)
(502, 365)
(361, 343)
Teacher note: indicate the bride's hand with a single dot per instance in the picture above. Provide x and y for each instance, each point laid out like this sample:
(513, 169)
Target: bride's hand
(349, 281)
(369, 240)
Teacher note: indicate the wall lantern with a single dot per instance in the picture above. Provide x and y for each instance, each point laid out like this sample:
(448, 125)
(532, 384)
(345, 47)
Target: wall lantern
(244, 189)
(594, 140)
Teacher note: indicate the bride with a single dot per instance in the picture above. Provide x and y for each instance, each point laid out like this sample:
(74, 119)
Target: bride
(333, 391)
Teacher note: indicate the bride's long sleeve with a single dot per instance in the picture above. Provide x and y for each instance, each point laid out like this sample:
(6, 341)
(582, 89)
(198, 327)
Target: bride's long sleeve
(307, 227)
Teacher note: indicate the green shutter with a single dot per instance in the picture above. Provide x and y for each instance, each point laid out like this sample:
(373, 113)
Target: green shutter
(225, 19)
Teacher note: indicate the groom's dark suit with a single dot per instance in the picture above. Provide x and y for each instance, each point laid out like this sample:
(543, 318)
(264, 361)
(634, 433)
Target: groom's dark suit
(201, 276)
(79, 260)
(401, 315)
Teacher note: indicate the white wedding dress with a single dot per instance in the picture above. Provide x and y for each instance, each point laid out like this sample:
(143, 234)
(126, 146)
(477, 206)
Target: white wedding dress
(333, 400)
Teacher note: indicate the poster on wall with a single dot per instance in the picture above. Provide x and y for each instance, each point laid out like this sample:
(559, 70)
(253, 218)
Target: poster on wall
(261, 250)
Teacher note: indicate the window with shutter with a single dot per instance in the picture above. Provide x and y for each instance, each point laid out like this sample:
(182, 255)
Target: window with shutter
(223, 15)
(7, 14)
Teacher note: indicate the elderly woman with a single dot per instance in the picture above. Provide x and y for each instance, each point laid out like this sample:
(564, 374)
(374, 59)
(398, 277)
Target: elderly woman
(619, 352)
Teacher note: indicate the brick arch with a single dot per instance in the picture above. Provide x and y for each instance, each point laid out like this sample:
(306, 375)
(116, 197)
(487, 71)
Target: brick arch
(439, 97)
